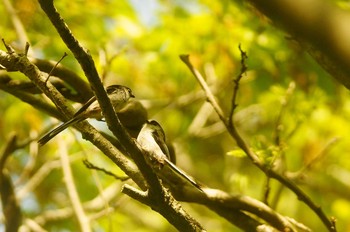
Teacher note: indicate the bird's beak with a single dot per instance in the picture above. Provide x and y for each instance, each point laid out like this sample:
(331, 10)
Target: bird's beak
(132, 95)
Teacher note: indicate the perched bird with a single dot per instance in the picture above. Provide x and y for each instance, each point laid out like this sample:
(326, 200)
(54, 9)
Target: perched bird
(119, 96)
(152, 140)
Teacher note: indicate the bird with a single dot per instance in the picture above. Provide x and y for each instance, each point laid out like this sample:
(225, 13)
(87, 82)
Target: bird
(152, 140)
(119, 96)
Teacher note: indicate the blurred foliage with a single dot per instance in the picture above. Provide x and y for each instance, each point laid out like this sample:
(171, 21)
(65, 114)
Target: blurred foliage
(289, 109)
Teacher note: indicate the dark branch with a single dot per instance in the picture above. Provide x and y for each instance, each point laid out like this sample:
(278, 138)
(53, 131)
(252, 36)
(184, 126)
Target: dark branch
(257, 162)
(320, 26)
(155, 191)
(10, 206)
(90, 165)
(236, 81)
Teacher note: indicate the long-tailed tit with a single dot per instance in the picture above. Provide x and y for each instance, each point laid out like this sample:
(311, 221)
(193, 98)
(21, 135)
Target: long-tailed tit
(119, 96)
(152, 140)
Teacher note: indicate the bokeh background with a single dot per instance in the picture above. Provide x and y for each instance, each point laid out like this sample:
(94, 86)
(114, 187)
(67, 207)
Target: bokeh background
(292, 113)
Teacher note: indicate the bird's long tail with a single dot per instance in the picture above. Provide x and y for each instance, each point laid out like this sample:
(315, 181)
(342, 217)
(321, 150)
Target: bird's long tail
(183, 175)
(47, 137)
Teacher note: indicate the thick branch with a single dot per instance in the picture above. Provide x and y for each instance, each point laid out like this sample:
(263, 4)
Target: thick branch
(321, 24)
(13, 61)
(88, 66)
(231, 128)
(10, 206)
(156, 194)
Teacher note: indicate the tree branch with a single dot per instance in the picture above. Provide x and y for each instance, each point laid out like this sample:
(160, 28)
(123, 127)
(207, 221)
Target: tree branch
(321, 26)
(255, 159)
(68, 76)
(10, 206)
(83, 220)
(155, 192)
(19, 62)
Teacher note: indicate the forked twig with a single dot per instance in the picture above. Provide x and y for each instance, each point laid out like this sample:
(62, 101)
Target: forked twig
(236, 81)
(160, 200)
(330, 224)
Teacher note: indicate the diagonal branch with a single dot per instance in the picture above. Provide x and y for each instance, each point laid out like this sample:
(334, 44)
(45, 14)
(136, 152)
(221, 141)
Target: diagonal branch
(254, 158)
(155, 192)
(19, 62)
(86, 62)
(236, 81)
(11, 209)
(204, 85)
(80, 214)
(319, 26)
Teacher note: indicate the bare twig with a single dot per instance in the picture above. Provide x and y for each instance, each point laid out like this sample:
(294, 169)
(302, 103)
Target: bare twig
(39, 176)
(308, 166)
(236, 81)
(108, 194)
(26, 48)
(9, 49)
(31, 225)
(68, 76)
(71, 189)
(157, 196)
(54, 67)
(107, 61)
(20, 30)
(284, 104)
(10, 206)
(32, 158)
(90, 165)
(200, 79)
(252, 156)
(282, 166)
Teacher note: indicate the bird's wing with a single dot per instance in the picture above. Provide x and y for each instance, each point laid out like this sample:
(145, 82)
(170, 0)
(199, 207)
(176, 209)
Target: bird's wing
(162, 145)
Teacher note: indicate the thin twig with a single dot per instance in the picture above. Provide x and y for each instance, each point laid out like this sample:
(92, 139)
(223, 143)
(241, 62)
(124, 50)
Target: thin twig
(202, 82)
(9, 49)
(90, 165)
(71, 189)
(253, 157)
(109, 194)
(54, 67)
(308, 166)
(236, 82)
(26, 49)
(32, 159)
(17, 24)
(284, 104)
(282, 165)
(231, 129)
(39, 176)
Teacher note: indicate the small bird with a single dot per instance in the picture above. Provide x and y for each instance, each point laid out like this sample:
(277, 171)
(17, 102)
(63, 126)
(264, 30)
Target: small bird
(119, 96)
(152, 140)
